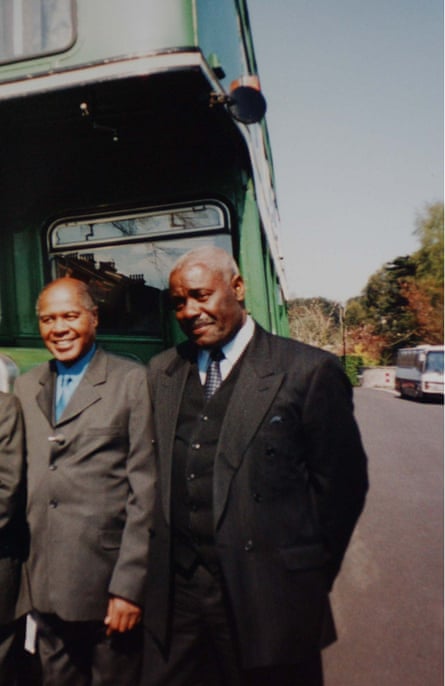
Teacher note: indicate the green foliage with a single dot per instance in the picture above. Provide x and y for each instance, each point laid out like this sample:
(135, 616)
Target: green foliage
(355, 312)
(403, 301)
(353, 364)
(386, 307)
(429, 259)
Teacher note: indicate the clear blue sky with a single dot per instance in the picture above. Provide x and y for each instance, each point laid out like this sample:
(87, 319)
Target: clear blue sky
(355, 115)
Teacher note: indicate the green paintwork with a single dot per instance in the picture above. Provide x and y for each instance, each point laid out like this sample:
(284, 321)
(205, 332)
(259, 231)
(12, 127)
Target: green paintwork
(172, 149)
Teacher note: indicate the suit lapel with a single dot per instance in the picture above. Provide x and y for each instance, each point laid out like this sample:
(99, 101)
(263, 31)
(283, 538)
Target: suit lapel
(45, 396)
(88, 391)
(256, 387)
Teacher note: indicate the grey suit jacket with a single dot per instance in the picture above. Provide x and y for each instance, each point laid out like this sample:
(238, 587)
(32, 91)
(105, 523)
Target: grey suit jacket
(289, 484)
(12, 531)
(91, 482)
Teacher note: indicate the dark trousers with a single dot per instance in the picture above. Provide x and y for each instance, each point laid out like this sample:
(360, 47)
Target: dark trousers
(203, 651)
(11, 642)
(80, 654)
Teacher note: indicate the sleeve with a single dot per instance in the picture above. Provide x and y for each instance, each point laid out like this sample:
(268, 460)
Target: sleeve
(129, 574)
(11, 458)
(337, 463)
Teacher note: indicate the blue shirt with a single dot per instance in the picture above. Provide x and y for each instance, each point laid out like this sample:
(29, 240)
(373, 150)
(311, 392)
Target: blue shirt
(74, 372)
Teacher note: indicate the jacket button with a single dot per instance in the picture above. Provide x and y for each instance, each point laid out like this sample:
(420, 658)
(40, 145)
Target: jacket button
(257, 497)
(196, 446)
(53, 504)
(249, 546)
(53, 467)
(59, 439)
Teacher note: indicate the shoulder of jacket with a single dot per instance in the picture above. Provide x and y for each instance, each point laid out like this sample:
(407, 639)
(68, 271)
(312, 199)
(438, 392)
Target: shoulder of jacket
(122, 364)
(33, 374)
(301, 352)
(166, 357)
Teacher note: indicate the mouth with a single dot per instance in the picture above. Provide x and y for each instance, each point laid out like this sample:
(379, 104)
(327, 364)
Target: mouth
(199, 328)
(63, 345)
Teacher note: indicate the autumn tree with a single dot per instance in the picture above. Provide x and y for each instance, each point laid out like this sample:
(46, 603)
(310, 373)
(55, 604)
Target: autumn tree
(424, 291)
(400, 306)
(402, 303)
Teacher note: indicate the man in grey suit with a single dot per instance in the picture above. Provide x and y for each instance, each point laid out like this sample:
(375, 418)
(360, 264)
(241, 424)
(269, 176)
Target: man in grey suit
(90, 477)
(262, 479)
(12, 532)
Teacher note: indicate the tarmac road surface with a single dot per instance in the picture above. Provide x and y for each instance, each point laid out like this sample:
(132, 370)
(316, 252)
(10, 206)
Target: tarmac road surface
(388, 599)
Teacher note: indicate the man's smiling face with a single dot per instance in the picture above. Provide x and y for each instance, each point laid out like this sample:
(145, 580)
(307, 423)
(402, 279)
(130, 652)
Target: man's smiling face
(67, 326)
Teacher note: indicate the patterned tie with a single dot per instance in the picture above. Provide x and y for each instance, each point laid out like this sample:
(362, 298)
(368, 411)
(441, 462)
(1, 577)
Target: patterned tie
(213, 376)
(63, 395)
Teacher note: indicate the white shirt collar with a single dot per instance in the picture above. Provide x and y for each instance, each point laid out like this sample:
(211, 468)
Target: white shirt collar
(232, 350)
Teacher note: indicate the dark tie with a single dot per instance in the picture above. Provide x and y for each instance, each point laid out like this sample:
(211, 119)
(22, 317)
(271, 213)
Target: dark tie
(213, 376)
(63, 396)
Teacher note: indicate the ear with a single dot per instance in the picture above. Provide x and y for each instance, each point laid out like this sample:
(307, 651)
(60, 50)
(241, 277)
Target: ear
(95, 316)
(238, 287)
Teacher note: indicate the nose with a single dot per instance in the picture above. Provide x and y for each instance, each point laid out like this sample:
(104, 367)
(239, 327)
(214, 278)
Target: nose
(190, 309)
(59, 325)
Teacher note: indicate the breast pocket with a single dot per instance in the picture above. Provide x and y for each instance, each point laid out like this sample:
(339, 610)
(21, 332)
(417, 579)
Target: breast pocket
(279, 451)
(105, 437)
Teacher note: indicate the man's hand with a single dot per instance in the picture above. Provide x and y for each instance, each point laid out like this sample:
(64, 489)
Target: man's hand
(121, 615)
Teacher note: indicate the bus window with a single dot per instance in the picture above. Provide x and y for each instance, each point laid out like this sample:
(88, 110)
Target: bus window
(434, 361)
(29, 28)
(126, 260)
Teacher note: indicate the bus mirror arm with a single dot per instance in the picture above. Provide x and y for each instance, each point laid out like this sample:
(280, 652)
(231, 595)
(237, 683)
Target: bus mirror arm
(246, 104)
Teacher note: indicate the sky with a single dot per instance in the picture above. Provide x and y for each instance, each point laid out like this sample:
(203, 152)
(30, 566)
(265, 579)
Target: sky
(354, 95)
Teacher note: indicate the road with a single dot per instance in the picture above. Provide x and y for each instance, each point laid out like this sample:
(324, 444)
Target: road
(388, 599)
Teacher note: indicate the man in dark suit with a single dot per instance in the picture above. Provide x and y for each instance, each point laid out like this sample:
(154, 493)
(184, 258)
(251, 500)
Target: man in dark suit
(261, 484)
(90, 476)
(12, 532)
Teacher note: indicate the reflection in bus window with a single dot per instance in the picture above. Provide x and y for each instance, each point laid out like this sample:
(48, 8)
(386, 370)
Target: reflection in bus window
(171, 221)
(129, 280)
(35, 27)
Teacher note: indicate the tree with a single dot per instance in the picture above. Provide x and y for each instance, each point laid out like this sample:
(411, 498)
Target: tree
(315, 321)
(425, 301)
(401, 305)
(429, 259)
(387, 308)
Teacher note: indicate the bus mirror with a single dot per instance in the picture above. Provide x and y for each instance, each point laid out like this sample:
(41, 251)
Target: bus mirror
(245, 101)
(247, 105)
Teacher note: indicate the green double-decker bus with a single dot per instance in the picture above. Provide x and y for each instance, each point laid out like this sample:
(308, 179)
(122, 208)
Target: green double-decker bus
(131, 132)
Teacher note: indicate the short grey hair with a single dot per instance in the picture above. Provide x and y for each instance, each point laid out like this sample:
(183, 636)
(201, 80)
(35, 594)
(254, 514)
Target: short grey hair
(213, 258)
(83, 290)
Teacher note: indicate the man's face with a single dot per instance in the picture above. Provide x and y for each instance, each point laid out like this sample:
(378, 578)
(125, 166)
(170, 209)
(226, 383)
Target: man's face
(67, 327)
(208, 308)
